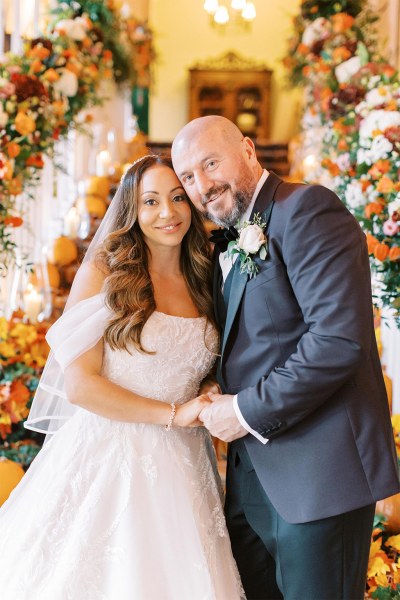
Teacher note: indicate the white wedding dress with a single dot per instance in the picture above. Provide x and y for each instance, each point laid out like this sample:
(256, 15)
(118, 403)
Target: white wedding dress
(119, 511)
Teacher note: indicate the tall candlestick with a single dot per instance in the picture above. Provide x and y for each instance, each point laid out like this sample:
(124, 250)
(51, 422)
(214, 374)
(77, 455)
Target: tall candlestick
(103, 163)
(16, 42)
(71, 223)
(36, 28)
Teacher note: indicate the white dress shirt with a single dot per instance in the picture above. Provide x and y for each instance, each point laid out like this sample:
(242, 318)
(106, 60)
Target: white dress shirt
(226, 265)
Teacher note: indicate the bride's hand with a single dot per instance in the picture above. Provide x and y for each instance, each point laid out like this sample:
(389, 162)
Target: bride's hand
(187, 414)
(209, 385)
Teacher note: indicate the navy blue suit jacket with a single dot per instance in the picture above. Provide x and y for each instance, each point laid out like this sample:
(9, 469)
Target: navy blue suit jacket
(298, 347)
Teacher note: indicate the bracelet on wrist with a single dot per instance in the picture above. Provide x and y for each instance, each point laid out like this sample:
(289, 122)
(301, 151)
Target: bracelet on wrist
(171, 416)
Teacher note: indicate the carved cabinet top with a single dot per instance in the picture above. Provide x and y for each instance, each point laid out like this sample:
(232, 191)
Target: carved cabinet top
(230, 61)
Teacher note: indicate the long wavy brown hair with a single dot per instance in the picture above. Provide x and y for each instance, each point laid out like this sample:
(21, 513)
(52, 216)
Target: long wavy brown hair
(124, 257)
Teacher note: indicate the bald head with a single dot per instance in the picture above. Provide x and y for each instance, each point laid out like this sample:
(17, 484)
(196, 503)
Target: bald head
(217, 166)
(219, 127)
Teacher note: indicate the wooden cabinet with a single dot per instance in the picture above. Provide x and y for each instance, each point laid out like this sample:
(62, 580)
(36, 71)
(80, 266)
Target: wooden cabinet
(236, 88)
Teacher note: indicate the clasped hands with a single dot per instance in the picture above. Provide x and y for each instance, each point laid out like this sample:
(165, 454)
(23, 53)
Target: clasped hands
(213, 410)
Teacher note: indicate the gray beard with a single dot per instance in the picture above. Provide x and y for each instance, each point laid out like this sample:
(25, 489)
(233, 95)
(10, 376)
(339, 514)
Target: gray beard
(242, 200)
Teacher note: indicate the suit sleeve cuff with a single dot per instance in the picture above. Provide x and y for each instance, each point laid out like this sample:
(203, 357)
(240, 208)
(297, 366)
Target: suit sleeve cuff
(246, 425)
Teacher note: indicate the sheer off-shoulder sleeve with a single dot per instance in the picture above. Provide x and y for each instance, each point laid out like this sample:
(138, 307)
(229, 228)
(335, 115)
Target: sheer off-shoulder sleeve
(75, 332)
(78, 330)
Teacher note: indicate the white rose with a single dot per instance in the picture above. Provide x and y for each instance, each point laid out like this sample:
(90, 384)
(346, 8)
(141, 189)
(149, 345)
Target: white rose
(354, 195)
(311, 119)
(380, 148)
(251, 239)
(73, 28)
(362, 109)
(378, 120)
(82, 21)
(77, 32)
(67, 84)
(317, 30)
(378, 96)
(347, 69)
(394, 206)
(343, 161)
(363, 156)
(64, 25)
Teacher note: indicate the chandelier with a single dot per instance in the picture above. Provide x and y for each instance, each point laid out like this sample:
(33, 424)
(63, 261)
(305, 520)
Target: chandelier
(239, 11)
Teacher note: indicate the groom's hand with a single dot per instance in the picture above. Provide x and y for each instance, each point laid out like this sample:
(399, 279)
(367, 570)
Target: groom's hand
(220, 418)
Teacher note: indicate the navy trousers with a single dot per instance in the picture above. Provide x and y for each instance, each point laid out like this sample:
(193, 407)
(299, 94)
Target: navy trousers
(319, 560)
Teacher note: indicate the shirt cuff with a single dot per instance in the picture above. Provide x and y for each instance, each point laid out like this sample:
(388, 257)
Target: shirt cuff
(246, 425)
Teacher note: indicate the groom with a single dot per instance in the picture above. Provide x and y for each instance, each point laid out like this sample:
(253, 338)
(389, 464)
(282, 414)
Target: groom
(304, 402)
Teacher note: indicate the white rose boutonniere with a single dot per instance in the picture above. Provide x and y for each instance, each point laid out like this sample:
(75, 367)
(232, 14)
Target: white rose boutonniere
(251, 241)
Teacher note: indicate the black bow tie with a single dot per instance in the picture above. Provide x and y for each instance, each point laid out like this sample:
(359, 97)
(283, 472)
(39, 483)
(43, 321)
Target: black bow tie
(222, 237)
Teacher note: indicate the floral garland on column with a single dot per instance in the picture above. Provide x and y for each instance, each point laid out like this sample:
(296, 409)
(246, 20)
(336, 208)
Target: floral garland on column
(351, 114)
(43, 91)
(362, 154)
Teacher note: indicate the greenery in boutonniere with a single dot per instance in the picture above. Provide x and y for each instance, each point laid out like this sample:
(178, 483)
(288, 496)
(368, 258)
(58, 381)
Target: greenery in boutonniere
(250, 243)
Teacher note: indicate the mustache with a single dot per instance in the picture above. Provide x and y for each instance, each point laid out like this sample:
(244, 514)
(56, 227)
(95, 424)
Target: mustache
(214, 191)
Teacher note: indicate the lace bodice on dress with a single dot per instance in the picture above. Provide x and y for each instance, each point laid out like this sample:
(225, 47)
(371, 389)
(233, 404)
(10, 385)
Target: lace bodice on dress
(185, 350)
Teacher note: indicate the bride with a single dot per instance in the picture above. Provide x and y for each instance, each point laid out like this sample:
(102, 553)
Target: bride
(123, 501)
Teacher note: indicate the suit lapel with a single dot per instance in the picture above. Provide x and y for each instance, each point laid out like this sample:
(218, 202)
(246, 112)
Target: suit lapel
(239, 280)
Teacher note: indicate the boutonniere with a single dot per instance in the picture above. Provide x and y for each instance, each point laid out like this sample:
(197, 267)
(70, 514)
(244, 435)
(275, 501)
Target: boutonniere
(251, 242)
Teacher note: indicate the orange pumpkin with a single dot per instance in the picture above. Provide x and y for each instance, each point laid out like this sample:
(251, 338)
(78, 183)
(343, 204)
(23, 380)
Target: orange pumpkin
(98, 186)
(11, 474)
(95, 205)
(63, 252)
(390, 508)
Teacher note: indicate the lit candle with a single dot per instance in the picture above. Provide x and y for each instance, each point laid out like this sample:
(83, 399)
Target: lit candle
(84, 225)
(309, 165)
(36, 14)
(103, 163)
(71, 223)
(32, 303)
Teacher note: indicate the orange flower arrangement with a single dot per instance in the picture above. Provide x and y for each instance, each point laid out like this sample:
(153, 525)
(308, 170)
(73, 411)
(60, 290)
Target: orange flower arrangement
(368, 178)
(43, 91)
(341, 22)
(383, 575)
(352, 118)
(384, 563)
(23, 354)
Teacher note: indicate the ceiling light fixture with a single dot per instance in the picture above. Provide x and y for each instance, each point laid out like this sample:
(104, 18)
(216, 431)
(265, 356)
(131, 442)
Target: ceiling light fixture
(240, 12)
